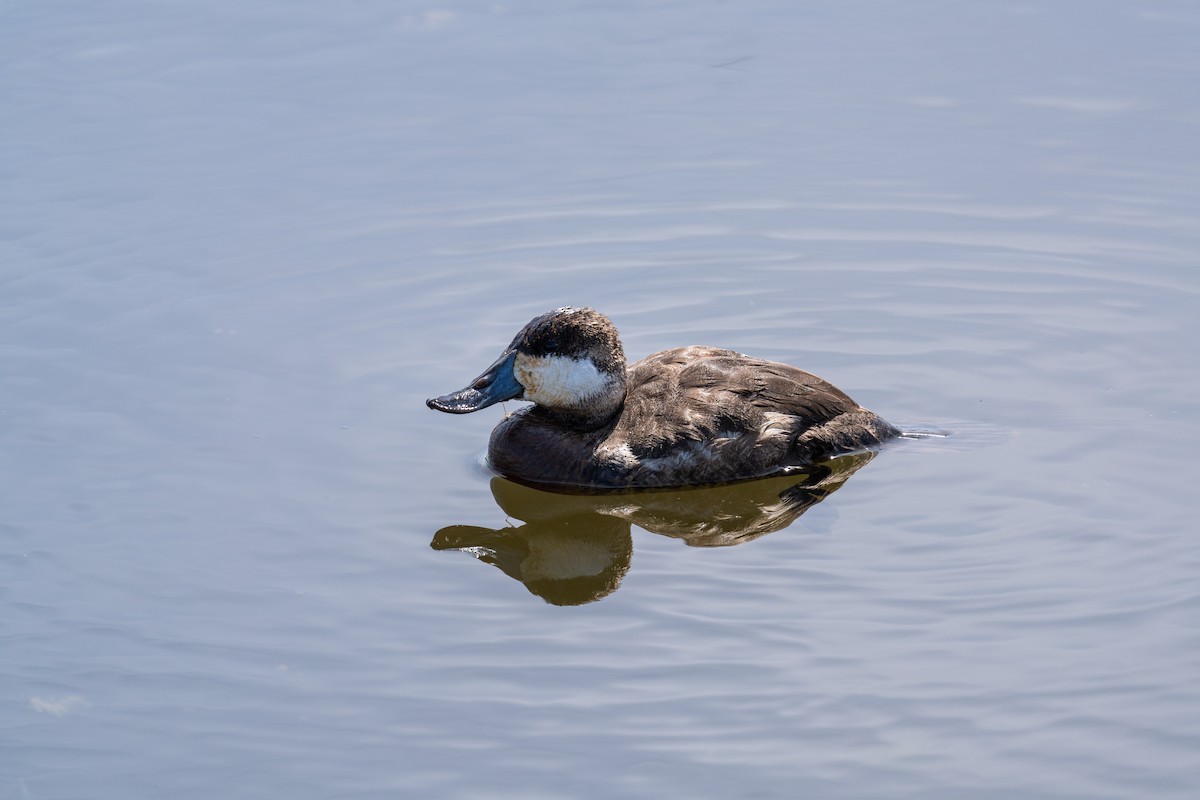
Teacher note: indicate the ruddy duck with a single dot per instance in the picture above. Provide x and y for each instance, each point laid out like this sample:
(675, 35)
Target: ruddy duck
(682, 417)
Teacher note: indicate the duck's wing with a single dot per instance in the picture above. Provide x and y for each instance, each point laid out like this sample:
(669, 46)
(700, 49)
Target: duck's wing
(720, 413)
(696, 392)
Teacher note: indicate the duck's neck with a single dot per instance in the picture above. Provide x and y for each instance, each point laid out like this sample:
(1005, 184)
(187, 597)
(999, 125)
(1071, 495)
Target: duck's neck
(593, 412)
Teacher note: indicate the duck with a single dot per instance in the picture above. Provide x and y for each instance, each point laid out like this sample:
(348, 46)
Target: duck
(688, 416)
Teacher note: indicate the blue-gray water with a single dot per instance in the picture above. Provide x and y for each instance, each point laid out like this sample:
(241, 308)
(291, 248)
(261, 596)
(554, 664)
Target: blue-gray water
(240, 243)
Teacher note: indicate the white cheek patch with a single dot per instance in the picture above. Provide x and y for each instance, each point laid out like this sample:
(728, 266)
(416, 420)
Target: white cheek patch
(557, 381)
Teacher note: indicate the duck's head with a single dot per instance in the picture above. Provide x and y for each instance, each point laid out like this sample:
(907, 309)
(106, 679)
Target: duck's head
(568, 362)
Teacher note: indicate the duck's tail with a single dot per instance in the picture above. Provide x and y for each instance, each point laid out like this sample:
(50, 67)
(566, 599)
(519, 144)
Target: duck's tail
(851, 432)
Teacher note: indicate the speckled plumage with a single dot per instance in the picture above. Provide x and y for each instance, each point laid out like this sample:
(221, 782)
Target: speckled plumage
(686, 416)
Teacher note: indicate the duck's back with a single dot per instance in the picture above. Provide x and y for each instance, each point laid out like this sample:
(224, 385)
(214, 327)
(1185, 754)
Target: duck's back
(703, 414)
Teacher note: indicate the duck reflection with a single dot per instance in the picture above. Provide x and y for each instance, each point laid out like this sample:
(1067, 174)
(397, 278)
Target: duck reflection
(575, 548)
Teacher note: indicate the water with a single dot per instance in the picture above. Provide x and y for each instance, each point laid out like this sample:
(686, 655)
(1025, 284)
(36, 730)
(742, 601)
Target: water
(242, 243)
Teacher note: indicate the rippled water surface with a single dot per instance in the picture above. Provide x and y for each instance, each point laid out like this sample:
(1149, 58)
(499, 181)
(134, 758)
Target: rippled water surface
(240, 244)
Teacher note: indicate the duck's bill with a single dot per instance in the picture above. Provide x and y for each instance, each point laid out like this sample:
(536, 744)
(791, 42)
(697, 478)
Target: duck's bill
(496, 384)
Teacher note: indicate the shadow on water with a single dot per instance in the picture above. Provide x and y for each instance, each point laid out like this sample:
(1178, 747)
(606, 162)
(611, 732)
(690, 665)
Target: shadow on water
(575, 548)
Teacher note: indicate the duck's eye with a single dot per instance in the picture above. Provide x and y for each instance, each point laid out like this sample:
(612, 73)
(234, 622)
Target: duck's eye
(550, 346)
